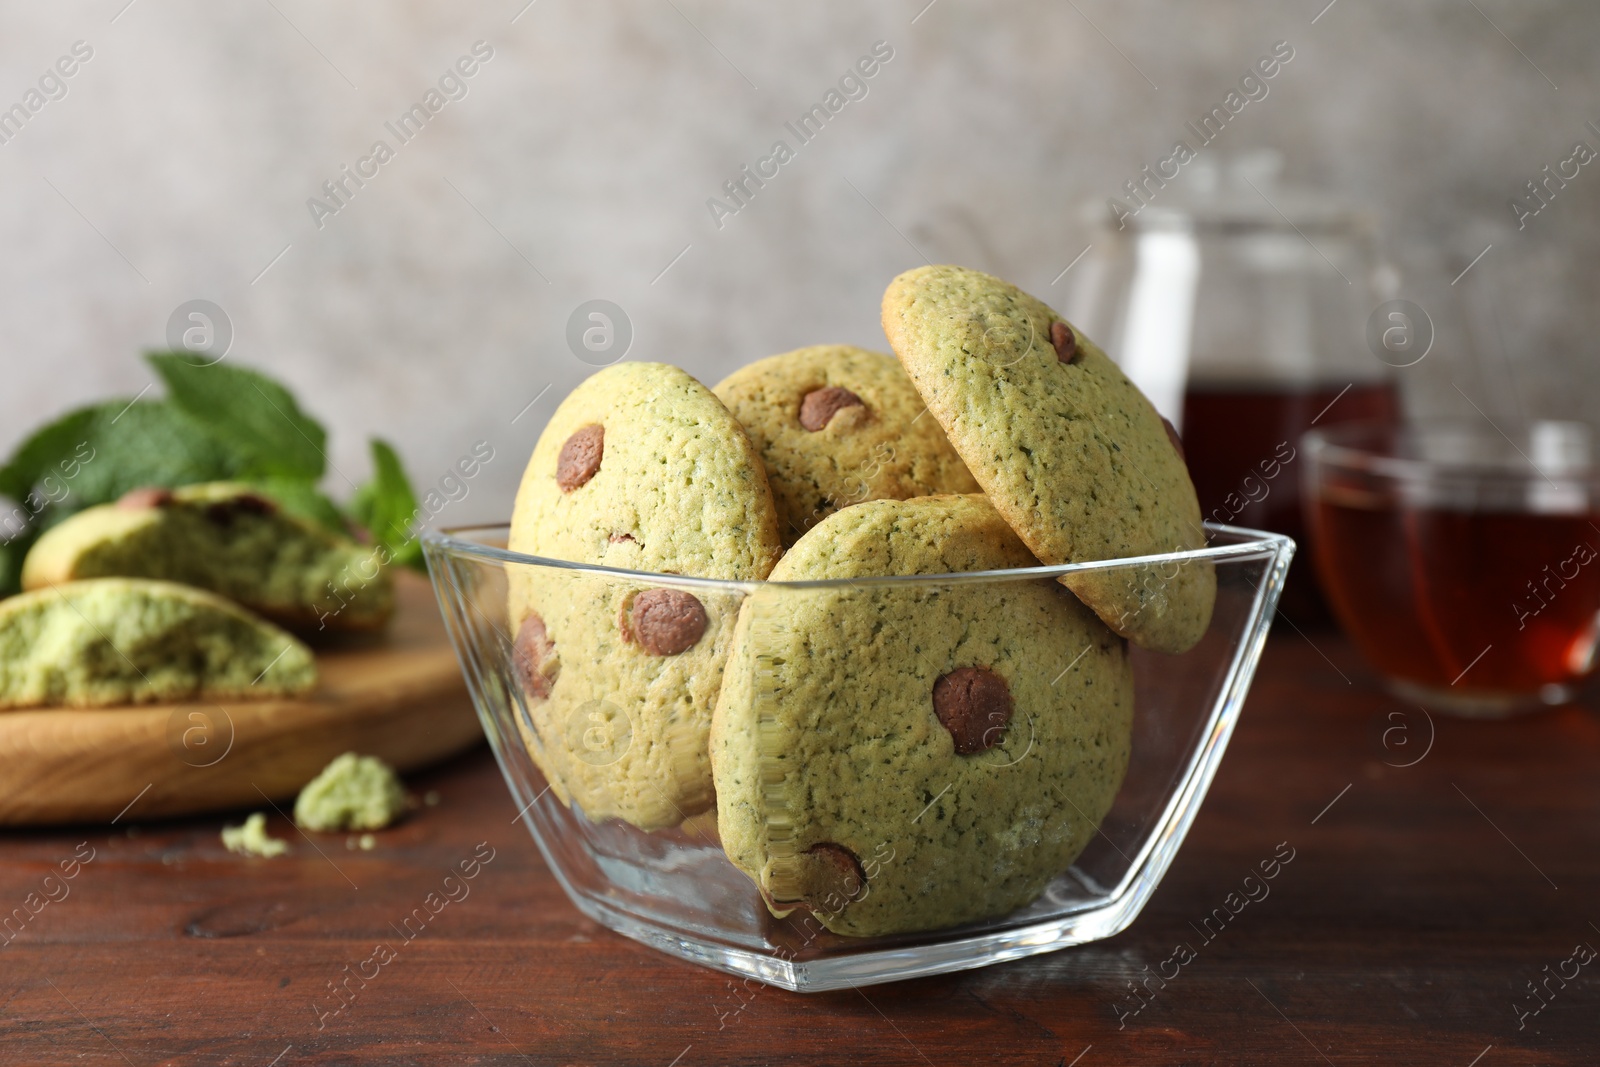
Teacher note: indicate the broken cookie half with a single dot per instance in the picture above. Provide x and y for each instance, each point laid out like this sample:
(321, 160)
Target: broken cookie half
(227, 538)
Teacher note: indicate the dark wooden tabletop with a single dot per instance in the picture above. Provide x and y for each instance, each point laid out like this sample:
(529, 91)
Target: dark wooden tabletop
(1439, 908)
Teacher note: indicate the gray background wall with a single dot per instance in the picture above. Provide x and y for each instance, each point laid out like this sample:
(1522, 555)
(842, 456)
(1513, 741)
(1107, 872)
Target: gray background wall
(433, 308)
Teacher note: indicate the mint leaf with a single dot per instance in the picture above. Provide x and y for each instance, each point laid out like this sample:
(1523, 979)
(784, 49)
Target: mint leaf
(146, 443)
(43, 449)
(387, 506)
(93, 455)
(37, 480)
(254, 416)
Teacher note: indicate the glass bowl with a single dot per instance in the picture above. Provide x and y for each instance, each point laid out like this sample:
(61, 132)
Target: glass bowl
(676, 890)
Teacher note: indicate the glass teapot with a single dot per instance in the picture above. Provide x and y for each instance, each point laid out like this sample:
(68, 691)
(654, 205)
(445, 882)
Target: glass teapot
(1240, 307)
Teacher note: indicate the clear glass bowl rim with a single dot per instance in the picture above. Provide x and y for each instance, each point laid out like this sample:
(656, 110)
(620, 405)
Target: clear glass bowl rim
(1338, 447)
(1250, 544)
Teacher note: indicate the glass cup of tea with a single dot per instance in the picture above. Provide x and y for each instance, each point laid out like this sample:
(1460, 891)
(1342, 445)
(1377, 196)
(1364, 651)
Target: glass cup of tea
(1462, 561)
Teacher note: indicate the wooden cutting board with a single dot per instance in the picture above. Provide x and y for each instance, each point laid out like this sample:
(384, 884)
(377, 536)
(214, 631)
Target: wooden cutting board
(399, 696)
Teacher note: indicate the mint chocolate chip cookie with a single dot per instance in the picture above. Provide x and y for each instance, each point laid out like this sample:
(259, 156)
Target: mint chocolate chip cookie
(108, 641)
(837, 425)
(229, 539)
(1071, 453)
(899, 757)
(641, 468)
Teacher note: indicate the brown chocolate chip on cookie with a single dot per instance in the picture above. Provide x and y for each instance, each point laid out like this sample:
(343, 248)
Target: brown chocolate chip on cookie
(1065, 341)
(821, 405)
(837, 878)
(829, 877)
(666, 622)
(580, 457)
(148, 496)
(532, 652)
(974, 704)
(223, 512)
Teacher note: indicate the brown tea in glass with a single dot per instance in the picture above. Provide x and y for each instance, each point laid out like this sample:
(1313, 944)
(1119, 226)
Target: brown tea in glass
(1243, 446)
(1464, 564)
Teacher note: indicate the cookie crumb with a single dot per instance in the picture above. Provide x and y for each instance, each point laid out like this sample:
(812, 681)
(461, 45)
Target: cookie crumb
(352, 793)
(251, 839)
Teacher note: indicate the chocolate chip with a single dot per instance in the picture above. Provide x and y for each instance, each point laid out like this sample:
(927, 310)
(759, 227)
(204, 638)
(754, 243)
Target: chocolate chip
(1172, 435)
(146, 496)
(1065, 342)
(580, 457)
(533, 656)
(823, 404)
(666, 622)
(837, 878)
(223, 512)
(974, 704)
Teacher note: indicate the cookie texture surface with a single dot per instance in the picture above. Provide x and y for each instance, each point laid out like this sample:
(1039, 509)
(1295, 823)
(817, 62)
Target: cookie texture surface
(838, 425)
(227, 538)
(641, 468)
(109, 641)
(1069, 450)
(898, 757)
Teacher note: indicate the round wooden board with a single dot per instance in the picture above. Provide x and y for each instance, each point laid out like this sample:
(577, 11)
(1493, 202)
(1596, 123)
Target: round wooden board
(399, 696)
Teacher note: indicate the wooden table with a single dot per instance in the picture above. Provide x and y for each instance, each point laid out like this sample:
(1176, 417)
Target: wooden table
(1420, 902)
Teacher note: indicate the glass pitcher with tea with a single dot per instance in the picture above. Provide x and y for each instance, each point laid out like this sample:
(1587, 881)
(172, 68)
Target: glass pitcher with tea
(1240, 306)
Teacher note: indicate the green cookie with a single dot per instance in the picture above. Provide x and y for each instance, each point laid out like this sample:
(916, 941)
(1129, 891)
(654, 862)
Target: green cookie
(1071, 453)
(837, 425)
(640, 468)
(902, 757)
(229, 539)
(107, 641)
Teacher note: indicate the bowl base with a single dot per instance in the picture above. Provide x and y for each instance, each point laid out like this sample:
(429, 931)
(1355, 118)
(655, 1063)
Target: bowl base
(1467, 704)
